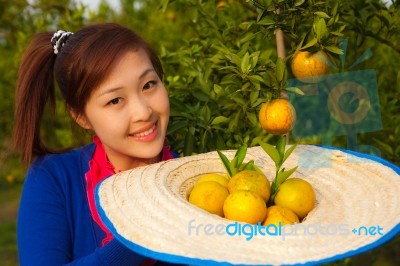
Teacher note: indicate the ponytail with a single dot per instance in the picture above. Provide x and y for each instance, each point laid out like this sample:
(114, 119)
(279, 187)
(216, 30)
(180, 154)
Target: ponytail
(35, 89)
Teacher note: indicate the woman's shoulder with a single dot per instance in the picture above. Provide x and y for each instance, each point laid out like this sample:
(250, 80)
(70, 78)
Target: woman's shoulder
(59, 172)
(69, 159)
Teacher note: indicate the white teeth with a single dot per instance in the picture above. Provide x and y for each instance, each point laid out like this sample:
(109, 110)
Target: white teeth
(145, 133)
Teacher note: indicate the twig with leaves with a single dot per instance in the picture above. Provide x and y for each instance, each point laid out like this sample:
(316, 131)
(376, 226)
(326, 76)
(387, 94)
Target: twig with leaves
(278, 154)
(236, 164)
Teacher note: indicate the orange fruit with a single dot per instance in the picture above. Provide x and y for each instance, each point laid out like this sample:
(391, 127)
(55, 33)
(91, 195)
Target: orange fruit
(245, 206)
(277, 116)
(171, 16)
(250, 180)
(309, 67)
(278, 214)
(296, 194)
(221, 4)
(219, 178)
(209, 196)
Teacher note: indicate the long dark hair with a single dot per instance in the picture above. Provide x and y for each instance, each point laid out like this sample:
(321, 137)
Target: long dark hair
(86, 58)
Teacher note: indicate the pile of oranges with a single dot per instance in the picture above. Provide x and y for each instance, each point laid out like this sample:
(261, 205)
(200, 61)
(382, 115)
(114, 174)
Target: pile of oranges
(244, 197)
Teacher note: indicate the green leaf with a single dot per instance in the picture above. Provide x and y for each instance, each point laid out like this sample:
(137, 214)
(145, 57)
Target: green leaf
(254, 95)
(189, 142)
(334, 49)
(201, 96)
(246, 25)
(301, 42)
(164, 5)
(234, 121)
(219, 120)
(254, 58)
(247, 37)
(176, 125)
(203, 141)
(342, 28)
(299, 2)
(234, 59)
(256, 168)
(336, 33)
(384, 146)
(265, 21)
(245, 63)
(320, 29)
(321, 14)
(288, 152)
(265, 56)
(205, 113)
(256, 78)
(248, 166)
(280, 69)
(311, 43)
(233, 165)
(241, 154)
(334, 9)
(272, 152)
(225, 162)
(283, 175)
(295, 90)
(252, 118)
(239, 99)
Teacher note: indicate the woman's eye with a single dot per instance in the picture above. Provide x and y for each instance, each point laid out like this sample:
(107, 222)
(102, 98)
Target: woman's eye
(149, 85)
(114, 101)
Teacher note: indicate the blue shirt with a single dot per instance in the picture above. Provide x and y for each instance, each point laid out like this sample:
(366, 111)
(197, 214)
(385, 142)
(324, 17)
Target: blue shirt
(54, 224)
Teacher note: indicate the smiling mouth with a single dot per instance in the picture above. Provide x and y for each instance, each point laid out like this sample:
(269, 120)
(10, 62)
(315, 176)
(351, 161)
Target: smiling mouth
(144, 133)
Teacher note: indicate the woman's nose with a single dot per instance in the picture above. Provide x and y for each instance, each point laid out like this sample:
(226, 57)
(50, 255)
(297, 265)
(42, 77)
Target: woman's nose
(140, 110)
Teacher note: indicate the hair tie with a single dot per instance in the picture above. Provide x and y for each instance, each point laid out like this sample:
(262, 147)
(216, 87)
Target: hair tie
(58, 40)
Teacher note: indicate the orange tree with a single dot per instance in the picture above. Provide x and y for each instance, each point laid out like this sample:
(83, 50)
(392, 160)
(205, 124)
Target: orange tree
(219, 76)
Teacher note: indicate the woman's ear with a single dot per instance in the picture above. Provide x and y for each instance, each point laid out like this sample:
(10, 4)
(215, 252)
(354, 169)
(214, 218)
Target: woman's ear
(80, 119)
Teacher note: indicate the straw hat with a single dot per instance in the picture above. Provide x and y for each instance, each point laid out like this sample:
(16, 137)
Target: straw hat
(358, 208)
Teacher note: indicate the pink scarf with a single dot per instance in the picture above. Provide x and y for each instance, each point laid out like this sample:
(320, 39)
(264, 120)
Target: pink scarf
(99, 169)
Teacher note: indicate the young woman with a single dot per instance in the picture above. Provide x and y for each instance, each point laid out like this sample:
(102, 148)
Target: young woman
(111, 83)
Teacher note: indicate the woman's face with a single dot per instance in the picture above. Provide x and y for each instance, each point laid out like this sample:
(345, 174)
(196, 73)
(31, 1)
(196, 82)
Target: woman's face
(129, 112)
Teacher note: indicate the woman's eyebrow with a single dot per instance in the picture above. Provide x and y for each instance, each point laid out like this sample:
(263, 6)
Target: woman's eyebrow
(107, 91)
(146, 72)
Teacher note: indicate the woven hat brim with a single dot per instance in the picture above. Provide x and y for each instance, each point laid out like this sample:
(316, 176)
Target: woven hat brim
(358, 208)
